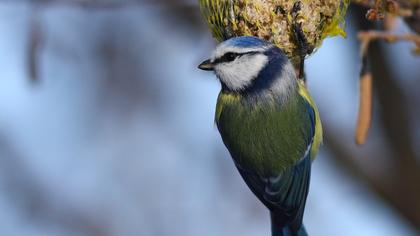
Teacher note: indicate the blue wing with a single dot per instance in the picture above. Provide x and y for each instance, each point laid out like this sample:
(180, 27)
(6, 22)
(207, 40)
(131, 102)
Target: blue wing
(285, 194)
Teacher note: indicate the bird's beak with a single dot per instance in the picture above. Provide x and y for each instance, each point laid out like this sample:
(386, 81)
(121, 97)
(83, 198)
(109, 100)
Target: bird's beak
(206, 65)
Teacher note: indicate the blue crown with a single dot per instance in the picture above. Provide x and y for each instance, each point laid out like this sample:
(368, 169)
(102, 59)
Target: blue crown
(246, 42)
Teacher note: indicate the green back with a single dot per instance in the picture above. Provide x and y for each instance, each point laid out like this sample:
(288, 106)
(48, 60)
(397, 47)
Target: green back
(266, 136)
(272, 143)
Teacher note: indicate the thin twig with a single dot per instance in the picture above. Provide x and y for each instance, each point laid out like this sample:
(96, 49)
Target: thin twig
(388, 36)
(367, 36)
(390, 21)
(365, 102)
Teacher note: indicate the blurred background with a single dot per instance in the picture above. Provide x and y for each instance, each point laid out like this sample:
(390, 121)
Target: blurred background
(106, 128)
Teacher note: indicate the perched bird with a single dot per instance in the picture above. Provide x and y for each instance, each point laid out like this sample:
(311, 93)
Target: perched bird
(270, 125)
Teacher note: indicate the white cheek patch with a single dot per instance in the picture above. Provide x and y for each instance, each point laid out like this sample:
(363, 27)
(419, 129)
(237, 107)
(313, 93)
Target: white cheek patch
(238, 74)
(285, 85)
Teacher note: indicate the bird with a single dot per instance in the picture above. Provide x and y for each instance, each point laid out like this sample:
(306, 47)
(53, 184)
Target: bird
(270, 125)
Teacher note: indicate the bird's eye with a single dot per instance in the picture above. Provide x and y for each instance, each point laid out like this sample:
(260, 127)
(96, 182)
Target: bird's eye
(230, 56)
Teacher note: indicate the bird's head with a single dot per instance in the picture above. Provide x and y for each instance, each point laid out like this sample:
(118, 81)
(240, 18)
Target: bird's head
(238, 62)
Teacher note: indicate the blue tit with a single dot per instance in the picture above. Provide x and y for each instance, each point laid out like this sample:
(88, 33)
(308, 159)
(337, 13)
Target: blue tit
(270, 125)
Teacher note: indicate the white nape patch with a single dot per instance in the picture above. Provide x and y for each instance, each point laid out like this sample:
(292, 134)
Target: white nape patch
(238, 74)
(286, 85)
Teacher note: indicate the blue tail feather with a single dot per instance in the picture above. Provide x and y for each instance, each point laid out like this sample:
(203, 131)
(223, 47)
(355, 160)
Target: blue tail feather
(287, 231)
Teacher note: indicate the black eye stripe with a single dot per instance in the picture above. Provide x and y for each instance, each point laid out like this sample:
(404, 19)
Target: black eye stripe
(227, 57)
(231, 56)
